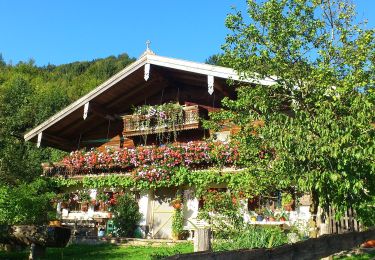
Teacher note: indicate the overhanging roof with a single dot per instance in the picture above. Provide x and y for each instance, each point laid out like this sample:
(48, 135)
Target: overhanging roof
(135, 70)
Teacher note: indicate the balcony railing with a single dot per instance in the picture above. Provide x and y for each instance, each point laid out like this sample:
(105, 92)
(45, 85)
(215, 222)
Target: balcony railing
(135, 125)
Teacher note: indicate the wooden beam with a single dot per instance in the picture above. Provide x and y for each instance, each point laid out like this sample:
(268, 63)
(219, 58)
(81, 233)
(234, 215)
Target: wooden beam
(95, 109)
(101, 111)
(77, 124)
(137, 89)
(62, 142)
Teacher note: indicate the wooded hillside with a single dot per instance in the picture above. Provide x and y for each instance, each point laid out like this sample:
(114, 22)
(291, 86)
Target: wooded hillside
(29, 95)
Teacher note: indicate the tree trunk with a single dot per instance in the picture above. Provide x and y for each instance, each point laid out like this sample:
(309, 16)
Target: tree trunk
(313, 229)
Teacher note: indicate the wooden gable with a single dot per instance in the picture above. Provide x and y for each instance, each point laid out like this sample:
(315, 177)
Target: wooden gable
(97, 115)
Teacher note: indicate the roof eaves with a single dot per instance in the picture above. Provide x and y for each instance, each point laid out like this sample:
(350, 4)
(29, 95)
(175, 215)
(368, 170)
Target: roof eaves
(86, 98)
(206, 69)
(194, 67)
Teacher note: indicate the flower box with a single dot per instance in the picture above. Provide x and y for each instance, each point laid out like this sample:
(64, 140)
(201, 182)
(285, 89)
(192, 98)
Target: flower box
(135, 125)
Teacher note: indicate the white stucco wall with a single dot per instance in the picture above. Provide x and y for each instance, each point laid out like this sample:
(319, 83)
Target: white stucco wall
(143, 204)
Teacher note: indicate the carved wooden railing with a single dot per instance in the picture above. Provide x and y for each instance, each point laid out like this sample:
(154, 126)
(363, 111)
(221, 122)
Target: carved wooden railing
(190, 120)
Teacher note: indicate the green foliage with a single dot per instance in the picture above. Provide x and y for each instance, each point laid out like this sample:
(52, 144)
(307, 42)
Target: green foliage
(216, 59)
(169, 115)
(286, 198)
(105, 251)
(316, 133)
(29, 95)
(84, 196)
(126, 215)
(181, 176)
(249, 236)
(221, 210)
(26, 203)
(102, 196)
(178, 222)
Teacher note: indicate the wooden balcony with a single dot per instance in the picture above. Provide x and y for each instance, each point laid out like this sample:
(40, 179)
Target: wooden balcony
(191, 120)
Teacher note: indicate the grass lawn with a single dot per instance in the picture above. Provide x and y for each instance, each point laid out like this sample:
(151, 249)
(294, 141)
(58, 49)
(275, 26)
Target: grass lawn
(106, 251)
(364, 256)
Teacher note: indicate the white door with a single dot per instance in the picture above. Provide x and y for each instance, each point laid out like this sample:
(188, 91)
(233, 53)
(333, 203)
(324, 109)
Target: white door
(162, 213)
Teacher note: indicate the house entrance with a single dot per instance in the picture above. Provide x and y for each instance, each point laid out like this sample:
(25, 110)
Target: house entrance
(162, 213)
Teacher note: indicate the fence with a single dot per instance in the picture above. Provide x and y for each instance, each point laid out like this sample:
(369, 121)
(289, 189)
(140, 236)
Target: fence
(346, 223)
(311, 249)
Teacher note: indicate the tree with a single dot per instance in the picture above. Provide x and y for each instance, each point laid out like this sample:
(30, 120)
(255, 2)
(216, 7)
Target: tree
(2, 62)
(311, 128)
(29, 95)
(215, 59)
(26, 203)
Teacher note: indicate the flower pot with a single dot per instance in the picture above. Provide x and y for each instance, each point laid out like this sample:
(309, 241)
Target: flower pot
(369, 244)
(177, 204)
(260, 218)
(272, 219)
(175, 236)
(282, 219)
(288, 207)
(55, 223)
(253, 218)
(84, 207)
(64, 205)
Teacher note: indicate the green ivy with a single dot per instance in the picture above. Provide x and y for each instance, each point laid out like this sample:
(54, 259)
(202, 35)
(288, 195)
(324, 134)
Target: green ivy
(238, 181)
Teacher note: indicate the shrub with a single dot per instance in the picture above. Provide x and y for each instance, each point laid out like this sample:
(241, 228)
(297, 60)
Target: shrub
(250, 237)
(126, 215)
(221, 210)
(27, 203)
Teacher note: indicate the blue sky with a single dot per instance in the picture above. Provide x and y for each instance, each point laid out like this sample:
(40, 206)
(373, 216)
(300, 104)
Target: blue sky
(56, 32)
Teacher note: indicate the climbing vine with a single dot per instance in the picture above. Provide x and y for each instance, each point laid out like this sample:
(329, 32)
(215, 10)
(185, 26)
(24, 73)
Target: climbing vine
(238, 181)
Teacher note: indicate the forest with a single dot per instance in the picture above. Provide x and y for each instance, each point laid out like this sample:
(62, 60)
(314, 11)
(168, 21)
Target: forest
(29, 94)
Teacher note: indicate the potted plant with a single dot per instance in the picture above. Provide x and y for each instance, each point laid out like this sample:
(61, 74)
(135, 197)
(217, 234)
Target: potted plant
(287, 201)
(177, 202)
(253, 217)
(177, 224)
(103, 198)
(65, 200)
(259, 215)
(84, 198)
(282, 216)
(269, 215)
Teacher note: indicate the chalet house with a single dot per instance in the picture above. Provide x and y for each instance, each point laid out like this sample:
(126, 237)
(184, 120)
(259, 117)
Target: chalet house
(152, 102)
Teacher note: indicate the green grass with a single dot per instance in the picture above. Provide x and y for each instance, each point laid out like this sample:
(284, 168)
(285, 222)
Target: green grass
(364, 256)
(106, 251)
